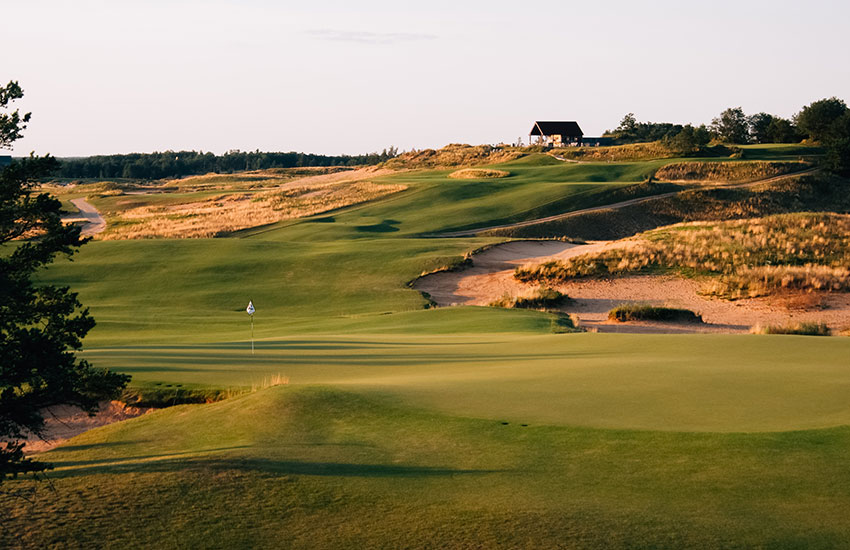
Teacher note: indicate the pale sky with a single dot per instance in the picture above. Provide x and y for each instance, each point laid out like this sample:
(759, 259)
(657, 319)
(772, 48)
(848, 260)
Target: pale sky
(336, 76)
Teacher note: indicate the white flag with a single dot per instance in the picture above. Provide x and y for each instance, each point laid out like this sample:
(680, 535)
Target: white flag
(250, 308)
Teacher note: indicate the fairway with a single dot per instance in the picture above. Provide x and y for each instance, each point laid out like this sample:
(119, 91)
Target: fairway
(646, 382)
(403, 425)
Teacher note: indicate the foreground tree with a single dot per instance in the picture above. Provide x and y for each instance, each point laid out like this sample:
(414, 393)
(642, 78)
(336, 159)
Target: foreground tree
(731, 126)
(815, 119)
(40, 325)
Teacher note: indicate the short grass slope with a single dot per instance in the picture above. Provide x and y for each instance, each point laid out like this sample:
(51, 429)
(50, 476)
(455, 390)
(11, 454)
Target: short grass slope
(316, 467)
(818, 193)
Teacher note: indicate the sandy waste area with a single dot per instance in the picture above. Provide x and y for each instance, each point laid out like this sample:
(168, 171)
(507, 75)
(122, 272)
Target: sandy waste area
(491, 276)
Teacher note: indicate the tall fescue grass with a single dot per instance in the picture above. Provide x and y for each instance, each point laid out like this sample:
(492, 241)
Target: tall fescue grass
(542, 298)
(732, 172)
(751, 257)
(646, 312)
(455, 155)
(803, 329)
(631, 152)
(224, 213)
(478, 173)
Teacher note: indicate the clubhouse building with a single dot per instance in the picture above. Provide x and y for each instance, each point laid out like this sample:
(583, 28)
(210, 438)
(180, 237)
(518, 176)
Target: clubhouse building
(565, 133)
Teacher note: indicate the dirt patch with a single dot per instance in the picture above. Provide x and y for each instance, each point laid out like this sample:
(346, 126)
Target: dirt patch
(491, 277)
(63, 423)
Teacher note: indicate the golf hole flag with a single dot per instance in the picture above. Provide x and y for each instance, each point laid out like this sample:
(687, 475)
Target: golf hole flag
(250, 310)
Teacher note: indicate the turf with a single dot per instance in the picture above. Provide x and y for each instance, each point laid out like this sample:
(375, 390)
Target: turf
(448, 428)
(722, 383)
(314, 467)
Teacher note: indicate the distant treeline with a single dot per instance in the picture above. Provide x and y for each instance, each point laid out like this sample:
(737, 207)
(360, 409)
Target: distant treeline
(171, 164)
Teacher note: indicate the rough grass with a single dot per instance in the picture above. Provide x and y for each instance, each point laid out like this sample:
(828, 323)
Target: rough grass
(732, 172)
(752, 257)
(805, 193)
(803, 329)
(631, 152)
(542, 298)
(645, 312)
(225, 213)
(478, 173)
(455, 155)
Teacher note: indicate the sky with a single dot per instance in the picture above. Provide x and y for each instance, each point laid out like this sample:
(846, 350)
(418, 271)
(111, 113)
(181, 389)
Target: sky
(343, 77)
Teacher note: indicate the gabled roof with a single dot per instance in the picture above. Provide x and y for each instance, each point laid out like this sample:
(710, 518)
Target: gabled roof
(552, 128)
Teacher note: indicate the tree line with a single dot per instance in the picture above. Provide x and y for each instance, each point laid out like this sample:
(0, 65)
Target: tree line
(826, 121)
(170, 164)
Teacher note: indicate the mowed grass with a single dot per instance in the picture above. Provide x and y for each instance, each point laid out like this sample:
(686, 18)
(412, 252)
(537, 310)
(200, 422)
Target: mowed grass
(315, 467)
(720, 383)
(449, 428)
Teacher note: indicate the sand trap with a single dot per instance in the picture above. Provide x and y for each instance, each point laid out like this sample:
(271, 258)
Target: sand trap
(63, 423)
(491, 276)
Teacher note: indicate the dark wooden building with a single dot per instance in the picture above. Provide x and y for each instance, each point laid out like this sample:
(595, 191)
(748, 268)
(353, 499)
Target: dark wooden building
(556, 133)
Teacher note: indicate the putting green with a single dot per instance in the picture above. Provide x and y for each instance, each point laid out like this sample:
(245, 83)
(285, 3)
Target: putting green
(722, 383)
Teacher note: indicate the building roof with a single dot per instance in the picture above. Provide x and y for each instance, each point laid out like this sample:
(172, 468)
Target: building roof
(552, 128)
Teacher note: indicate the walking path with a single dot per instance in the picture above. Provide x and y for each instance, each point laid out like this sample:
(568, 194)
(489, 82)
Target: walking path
(94, 222)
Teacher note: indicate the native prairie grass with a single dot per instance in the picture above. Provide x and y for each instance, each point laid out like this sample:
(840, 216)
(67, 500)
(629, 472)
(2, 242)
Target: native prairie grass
(204, 214)
(747, 258)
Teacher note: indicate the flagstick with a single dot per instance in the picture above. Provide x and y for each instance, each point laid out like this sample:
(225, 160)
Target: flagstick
(252, 335)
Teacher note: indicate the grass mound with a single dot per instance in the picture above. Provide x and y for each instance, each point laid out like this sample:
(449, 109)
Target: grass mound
(803, 329)
(455, 155)
(634, 151)
(645, 312)
(733, 172)
(751, 257)
(542, 298)
(478, 173)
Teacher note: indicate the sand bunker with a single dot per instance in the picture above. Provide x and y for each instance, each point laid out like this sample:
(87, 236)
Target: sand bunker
(63, 423)
(491, 276)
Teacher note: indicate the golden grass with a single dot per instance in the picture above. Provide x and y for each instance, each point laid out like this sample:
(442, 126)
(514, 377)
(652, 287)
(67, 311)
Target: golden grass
(634, 151)
(749, 257)
(543, 298)
(800, 329)
(455, 155)
(227, 212)
(732, 172)
(478, 173)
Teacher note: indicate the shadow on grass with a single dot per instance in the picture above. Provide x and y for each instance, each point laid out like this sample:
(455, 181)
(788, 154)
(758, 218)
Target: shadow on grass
(386, 226)
(281, 467)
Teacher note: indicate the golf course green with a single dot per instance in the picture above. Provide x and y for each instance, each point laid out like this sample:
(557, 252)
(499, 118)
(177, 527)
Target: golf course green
(405, 426)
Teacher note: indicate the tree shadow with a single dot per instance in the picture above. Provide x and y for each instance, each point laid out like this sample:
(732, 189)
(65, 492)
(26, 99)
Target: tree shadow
(386, 226)
(262, 465)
